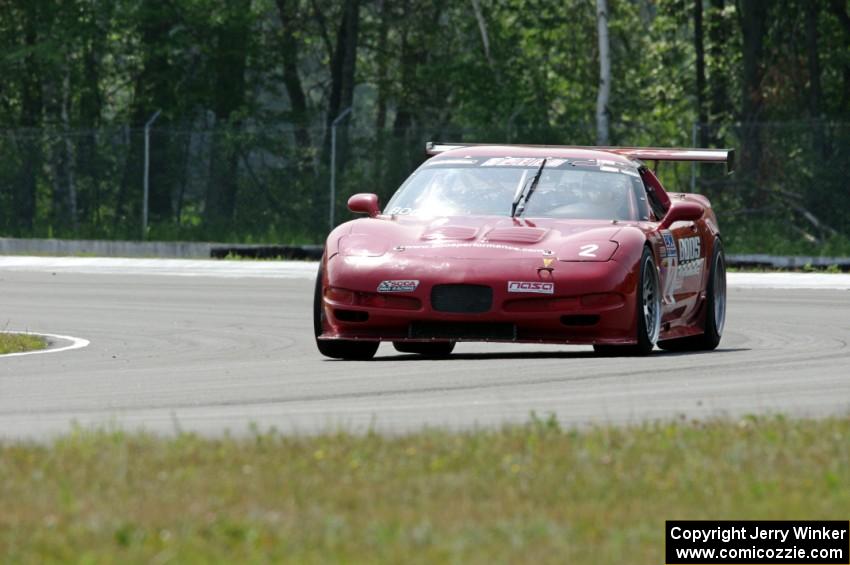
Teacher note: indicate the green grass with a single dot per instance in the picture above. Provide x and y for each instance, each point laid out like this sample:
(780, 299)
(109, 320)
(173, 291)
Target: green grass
(17, 343)
(532, 493)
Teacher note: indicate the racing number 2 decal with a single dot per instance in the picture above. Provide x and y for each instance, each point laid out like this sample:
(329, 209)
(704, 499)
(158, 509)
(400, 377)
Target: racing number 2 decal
(588, 250)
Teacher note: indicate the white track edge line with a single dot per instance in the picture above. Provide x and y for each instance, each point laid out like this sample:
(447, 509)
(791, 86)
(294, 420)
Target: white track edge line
(76, 343)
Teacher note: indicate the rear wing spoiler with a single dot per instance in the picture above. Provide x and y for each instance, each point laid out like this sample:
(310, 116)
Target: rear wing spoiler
(643, 153)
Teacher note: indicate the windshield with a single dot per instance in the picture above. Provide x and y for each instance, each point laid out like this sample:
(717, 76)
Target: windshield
(487, 187)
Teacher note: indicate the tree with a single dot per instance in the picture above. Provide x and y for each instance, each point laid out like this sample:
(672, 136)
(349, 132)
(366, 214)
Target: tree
(753, 31)
(343, 64)
(718, 52)
(287, 11)
(839, 9)
(32, 106)
(602, 136)
(229, 62)
(813, 60)
(244, 84)
(154, 89)
(699, 49)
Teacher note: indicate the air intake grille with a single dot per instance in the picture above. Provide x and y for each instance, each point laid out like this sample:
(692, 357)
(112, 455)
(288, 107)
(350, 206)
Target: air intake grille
(461, 298)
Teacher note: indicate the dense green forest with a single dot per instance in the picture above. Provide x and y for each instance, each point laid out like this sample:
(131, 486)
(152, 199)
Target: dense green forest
(248, 90)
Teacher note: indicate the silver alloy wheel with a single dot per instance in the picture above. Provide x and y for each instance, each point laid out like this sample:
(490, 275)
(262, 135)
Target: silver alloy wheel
(651, 301)
(719, 284)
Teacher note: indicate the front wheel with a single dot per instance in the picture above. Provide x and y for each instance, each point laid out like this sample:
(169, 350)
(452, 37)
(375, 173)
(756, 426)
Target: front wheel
(337, 348)
(648, 301)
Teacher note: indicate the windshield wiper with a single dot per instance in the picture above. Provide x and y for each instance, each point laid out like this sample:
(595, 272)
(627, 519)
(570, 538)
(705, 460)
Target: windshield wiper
(520, 189)
(523, 196)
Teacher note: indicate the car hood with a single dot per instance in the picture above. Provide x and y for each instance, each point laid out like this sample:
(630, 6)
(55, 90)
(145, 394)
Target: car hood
(481, 237)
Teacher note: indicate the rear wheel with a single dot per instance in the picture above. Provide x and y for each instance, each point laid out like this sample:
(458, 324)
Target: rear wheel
(715, 306)
(428, 349)
(337, 348)
(648, 300)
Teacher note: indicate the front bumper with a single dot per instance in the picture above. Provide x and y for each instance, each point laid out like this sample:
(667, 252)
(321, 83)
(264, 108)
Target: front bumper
(591, 302)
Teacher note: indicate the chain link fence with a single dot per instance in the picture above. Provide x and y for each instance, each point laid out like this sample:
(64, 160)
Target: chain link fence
(271, 183)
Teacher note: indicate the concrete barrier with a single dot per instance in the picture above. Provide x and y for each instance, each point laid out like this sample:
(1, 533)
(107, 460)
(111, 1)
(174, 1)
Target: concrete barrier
(102, 248)
(789, 262)
(154, 249)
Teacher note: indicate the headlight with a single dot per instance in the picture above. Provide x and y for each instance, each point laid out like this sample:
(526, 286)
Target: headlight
(362, 245)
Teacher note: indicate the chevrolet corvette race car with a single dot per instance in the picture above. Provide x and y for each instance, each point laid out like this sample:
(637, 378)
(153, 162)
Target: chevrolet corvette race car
(533, 244)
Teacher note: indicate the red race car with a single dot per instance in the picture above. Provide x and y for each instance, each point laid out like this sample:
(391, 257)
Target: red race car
(531, 244)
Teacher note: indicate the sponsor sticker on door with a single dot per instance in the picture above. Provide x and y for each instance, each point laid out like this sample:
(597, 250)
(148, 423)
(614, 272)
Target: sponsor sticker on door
(398, 286)
(689, 249)
(537, 287)
(669, 244)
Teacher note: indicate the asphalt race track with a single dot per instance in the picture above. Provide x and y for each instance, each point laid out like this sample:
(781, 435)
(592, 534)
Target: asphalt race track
(226, 349)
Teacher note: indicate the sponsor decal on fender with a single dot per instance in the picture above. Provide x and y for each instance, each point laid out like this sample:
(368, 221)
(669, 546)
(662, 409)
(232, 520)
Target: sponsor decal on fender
(691, 268)
(536, 287)
(669, 243)
(689, 249)
(398, 286)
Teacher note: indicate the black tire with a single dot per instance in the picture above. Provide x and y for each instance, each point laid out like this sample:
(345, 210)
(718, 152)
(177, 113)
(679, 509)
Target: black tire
(434, 349)
(715, 305)
(347, 349)
(648, 306)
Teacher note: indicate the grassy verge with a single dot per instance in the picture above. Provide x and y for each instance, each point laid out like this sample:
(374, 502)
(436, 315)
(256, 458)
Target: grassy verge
(17, 343)
(533, 493)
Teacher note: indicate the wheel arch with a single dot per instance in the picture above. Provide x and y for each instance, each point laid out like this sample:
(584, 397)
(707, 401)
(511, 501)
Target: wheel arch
(630, 243)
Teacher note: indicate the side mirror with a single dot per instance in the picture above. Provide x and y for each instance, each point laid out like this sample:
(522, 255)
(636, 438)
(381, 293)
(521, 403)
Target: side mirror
(681, 211)
(364, 203)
